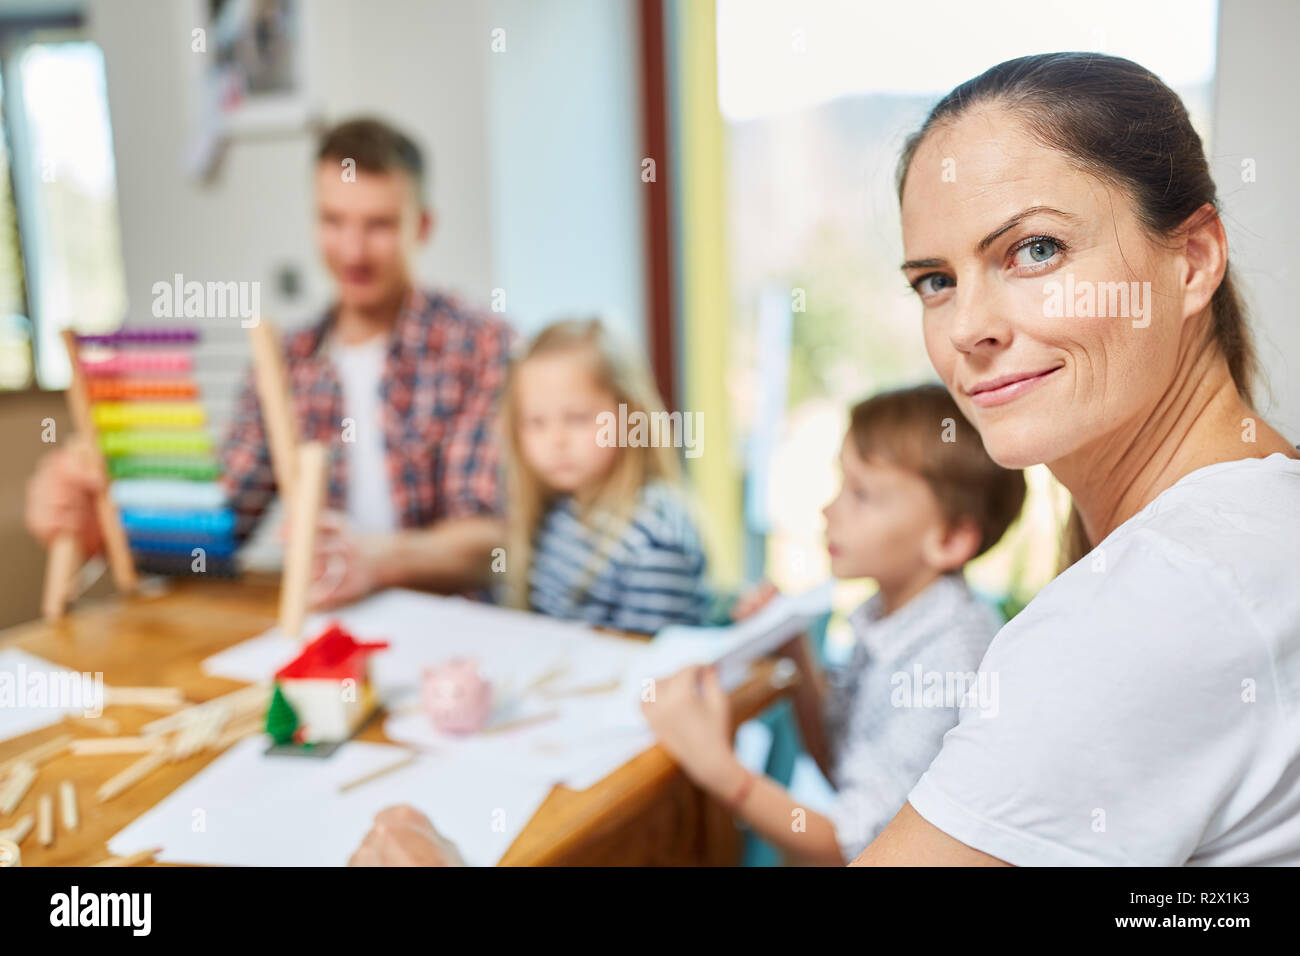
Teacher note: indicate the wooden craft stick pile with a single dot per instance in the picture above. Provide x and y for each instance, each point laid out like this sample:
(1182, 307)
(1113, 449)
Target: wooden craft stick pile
(186, 730)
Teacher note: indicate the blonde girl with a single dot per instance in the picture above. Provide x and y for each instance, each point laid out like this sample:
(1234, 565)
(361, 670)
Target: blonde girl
(598, 529)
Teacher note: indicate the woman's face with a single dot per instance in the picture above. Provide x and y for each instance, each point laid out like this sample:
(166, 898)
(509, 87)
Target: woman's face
(1048, 312)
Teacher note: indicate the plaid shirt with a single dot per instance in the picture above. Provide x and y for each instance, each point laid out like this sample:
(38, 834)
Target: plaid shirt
(443, 375)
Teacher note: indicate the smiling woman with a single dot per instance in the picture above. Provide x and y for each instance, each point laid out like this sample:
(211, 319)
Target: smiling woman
(1146, 692)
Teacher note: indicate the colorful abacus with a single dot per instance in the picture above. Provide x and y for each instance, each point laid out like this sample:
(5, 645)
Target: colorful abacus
(153, 433)
(133, 396)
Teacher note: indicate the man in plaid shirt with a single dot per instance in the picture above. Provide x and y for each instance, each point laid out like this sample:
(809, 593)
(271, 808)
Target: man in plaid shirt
(443, 372)
(400, 385)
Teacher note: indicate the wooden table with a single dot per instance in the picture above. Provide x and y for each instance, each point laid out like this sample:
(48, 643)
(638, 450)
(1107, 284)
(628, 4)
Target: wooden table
(645, 813)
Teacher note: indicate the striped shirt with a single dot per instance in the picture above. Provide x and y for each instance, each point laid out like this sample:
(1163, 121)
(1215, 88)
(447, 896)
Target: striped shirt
(649, 576)
(889, 706)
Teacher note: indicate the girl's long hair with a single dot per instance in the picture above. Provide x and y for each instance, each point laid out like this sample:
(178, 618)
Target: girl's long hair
(609, 507)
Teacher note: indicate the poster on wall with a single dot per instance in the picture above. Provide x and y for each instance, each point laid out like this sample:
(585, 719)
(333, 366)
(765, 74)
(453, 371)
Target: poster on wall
(252, 74)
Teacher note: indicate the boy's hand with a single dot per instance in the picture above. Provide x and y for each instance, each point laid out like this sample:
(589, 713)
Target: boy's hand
(691, 716)
(754, 600)
(403, 836)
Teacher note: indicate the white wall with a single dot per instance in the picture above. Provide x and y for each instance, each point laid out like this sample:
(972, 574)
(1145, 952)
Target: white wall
(1255, 118)
(534, 155)
(567, 196)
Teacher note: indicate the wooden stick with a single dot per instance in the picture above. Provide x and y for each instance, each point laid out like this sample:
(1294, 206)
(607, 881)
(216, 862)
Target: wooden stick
(237, 732)
(198, 734)
(588, 690)
(238, 703)
(61, 565)
(100, 725)
(304, 511)
(165, 698)
(58, 574)
(273, 395)
(133, 774)
(376, 774)
(96, 746)
(20, 781)
(68, 805)
(131, 859)
(18, 832)
(38, 755)
(520, 722)
(45, 820)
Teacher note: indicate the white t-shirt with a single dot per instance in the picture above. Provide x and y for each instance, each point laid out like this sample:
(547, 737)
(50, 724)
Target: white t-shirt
(1149, 697)
(369, 493)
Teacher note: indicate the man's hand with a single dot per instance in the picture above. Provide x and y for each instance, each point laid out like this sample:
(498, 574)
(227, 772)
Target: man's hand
(691, 716)
(403, 836)
(345, 565)
(61, 496)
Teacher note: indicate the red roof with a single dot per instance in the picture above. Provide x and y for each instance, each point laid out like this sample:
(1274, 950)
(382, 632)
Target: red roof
(335, 655)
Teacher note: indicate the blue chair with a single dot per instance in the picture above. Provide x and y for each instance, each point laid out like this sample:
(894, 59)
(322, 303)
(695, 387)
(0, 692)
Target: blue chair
(785, 749)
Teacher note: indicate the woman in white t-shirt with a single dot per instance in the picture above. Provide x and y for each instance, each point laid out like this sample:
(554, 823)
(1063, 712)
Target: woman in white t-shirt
(1061, 230)
(1060, 227)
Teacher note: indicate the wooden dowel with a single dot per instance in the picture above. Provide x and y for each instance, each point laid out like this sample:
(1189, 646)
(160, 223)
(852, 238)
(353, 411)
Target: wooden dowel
(60, 566)
(238, 731)
(96, 746)
(18, 832)
(68, 806)
(166, 698)
(132, 774)
(304, 511)
(239, 702)
(276, 402)
(381, 772)
(20, 781)
(45, 820)
(37, 755)
(520, 722)
(131, 859)
(116, 546)
(100, 725)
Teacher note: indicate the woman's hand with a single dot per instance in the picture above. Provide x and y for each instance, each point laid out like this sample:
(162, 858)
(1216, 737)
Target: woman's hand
(403, 836)
(691, 715)
(754, 600)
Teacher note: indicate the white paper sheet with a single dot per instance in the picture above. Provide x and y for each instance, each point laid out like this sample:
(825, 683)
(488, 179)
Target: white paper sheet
(576, 747)
(514, 651)
(590, 736)
(250, 809)
(732, 648)
(513, 648)
(35, 693)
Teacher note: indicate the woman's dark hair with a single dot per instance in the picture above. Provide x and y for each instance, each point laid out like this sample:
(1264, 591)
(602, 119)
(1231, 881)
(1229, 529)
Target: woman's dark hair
(1121, 123)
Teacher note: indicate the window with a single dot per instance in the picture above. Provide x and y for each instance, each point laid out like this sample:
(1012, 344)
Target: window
(817, 97)
(60, 245)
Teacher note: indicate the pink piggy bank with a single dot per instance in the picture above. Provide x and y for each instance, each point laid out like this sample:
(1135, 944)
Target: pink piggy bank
(456, 698)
